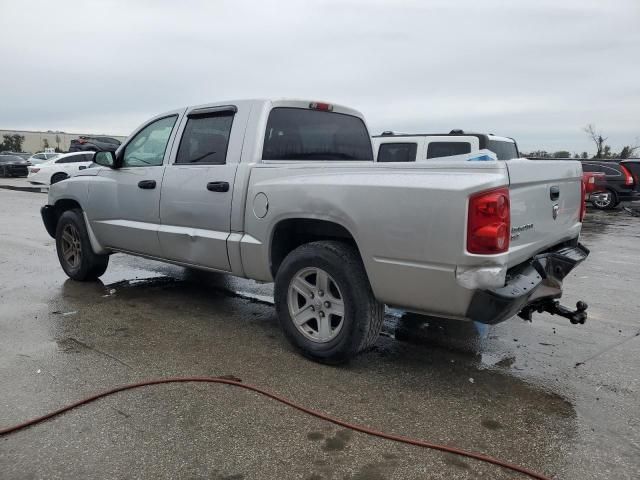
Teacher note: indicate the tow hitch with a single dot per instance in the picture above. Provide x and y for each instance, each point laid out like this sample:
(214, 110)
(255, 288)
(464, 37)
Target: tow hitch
(532, 287)
(577, 316)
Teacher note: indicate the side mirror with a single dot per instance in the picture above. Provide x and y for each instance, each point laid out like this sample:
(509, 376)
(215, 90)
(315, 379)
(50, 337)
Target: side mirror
(106, 159)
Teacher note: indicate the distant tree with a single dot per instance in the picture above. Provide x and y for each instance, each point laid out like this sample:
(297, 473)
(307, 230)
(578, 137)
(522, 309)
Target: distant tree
(629, 151)
(58, 140)
(562, 154)
(576, 156)
(538, 154)
(45, 144)
(584, 155)
(603, 150)
(12, 143)
(597, 138)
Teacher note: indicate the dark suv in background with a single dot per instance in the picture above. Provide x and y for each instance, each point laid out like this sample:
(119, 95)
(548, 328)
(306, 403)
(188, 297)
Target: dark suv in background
(621, 181)
(85, 143)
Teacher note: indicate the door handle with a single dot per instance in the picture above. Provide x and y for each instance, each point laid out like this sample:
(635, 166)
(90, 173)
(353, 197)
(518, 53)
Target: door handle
(554, 192)
(147, 184)
(81, 167)
(218, 186)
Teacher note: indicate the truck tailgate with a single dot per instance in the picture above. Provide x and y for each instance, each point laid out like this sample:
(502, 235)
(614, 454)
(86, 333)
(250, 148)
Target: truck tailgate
(545, 205)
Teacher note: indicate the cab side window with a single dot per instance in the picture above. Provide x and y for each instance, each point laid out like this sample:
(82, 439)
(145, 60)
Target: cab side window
(147, 148)
(446, 149)
(397, 152)
(205, 139)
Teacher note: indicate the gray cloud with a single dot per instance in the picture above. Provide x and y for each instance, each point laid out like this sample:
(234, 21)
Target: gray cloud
(537, 70)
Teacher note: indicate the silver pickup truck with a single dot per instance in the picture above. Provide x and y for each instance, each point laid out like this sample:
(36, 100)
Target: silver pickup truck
(287, 191)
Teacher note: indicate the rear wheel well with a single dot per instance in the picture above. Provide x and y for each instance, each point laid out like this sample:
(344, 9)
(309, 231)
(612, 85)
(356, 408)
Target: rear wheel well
(290, 234)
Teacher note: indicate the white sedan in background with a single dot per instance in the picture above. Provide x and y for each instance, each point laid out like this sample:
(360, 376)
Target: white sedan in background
(59, 168)
(41, 157)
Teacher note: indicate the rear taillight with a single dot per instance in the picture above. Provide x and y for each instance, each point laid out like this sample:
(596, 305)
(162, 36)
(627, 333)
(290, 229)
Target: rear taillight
(489, 222)
(583, 203)
(34, 170)
(628, 178)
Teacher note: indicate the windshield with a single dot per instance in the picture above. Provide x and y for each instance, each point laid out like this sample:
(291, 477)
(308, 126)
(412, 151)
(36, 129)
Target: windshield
(299, 134)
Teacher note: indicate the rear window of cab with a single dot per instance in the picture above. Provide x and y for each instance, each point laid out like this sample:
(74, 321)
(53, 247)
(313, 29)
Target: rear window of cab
(301, 134)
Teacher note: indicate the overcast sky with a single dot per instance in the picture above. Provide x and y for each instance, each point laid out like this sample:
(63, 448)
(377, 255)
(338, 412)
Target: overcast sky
(536, 70)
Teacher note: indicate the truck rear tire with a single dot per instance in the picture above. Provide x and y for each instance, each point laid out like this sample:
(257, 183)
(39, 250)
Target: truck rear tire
(325, 303)
(75, 254)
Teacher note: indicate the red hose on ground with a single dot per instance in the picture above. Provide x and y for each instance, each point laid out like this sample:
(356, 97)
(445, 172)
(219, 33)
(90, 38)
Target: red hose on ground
(314, 413)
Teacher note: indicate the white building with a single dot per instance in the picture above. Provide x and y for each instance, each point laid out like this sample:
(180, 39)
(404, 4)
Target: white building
(38, 141)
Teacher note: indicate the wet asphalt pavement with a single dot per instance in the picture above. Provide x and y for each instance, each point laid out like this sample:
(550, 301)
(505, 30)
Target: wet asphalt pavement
(560, 399)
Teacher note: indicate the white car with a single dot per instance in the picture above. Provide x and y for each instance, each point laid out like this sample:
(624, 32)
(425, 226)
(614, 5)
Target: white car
(41, 157)
(59, 168)
(404, 147)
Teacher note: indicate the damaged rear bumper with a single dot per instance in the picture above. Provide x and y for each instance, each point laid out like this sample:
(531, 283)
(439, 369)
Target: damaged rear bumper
(528, 287)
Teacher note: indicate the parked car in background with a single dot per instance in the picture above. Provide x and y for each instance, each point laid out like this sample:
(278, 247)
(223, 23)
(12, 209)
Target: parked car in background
(59, 168)
(13, 166)
(42, 157)
(23, 155)
(594, 182)
(86, 143)
(402, 147)
(633, 165)
(620, 183)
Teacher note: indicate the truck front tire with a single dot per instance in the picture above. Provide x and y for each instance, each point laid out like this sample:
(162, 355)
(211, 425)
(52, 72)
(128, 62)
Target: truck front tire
(75, 254)
(325, 303)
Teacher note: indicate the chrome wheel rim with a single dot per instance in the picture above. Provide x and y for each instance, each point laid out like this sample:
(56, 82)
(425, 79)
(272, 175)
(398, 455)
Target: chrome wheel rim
(603, 200)
(71, 247)
(316, 305)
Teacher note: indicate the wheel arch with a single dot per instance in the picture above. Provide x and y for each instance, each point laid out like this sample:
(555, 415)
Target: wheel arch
(51, 215)
(290, 233)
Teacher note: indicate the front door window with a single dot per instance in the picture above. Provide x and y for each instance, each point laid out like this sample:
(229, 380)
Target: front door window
(149, 145)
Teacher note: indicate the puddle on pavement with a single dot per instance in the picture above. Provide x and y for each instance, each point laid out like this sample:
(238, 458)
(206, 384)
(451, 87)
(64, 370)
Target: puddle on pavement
(606, 222)
(466, 338)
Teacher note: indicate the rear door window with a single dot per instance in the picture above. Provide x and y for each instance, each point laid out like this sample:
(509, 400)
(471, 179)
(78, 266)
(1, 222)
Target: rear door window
(446, 149)
(205, 139)
(397, 152)
(299, 134)
(611, 170)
